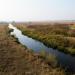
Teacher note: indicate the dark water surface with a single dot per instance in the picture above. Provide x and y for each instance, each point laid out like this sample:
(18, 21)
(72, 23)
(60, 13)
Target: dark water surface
(65, 60)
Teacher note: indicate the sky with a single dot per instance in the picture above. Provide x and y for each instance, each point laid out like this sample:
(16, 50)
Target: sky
(37, 10)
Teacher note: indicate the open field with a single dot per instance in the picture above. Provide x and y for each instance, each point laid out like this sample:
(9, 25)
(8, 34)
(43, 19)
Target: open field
(58, 36)
(15, 59)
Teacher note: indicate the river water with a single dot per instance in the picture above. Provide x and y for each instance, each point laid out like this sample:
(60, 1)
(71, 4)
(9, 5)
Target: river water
(66, 60)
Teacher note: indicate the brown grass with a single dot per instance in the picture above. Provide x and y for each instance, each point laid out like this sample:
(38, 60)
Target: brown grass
(58, 36)
(18, 60)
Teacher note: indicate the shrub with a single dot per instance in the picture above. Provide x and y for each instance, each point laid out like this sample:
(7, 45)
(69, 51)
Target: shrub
(51, 60)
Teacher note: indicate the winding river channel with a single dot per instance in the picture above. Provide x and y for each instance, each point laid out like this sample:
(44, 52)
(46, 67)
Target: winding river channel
(65, 60)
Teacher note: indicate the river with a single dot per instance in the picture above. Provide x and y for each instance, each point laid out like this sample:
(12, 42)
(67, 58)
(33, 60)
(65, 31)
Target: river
(67, 61)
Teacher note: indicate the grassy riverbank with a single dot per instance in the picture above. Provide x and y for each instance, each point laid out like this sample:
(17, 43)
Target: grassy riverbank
(15, 59)
(58, 36)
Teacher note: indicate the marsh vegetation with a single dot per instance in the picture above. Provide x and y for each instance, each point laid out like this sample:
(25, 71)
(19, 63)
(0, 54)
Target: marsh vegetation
(15, 59)
(57, 36)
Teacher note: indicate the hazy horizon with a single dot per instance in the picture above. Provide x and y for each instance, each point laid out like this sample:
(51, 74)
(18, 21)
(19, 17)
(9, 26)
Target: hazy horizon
(37, 10)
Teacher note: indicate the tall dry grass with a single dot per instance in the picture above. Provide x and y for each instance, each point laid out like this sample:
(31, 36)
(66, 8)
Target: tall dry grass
(18, 60)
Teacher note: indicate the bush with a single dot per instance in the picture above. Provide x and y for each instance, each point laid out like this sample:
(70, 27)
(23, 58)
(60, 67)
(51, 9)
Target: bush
(51, 60)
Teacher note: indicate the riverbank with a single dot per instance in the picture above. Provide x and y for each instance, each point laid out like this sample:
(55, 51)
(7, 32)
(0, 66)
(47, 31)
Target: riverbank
(16, 59)
(59, 37)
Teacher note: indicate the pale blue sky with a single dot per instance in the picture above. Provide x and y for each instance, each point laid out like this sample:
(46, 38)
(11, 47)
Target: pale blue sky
(37, 10)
